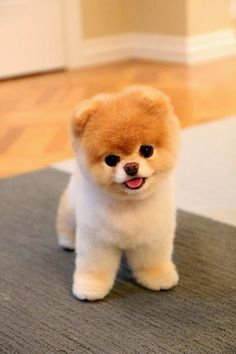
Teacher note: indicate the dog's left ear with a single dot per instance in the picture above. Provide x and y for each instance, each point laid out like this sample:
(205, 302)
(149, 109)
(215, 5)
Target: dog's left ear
(81, 116)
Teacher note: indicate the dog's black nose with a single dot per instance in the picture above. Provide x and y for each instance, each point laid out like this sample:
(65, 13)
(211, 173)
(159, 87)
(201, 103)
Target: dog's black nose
(131, 168)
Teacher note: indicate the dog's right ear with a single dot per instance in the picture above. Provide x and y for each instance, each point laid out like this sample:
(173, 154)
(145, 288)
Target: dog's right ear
(81, 116)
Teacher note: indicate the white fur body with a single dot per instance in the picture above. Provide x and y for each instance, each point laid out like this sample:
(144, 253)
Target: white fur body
(106, 226)
(121, 223)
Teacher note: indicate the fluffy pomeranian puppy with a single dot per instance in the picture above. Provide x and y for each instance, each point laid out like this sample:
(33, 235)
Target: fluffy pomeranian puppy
(121, 196)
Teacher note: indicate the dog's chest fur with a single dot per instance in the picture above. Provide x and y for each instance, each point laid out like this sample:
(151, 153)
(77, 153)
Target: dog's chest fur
(122, 223)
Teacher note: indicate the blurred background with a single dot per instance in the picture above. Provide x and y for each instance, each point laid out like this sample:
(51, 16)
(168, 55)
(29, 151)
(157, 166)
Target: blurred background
(57, 52)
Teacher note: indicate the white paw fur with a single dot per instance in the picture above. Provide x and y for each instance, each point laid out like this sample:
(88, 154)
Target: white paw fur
(161, 278)
(89, 286)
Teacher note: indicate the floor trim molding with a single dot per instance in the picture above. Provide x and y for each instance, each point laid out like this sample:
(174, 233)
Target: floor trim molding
(178, 49)
(107, 49)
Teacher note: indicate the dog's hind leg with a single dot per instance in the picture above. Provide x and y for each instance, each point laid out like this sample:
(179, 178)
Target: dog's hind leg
(66, 223)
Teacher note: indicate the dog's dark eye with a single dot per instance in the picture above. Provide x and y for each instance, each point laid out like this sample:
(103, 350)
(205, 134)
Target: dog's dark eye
(146, 150)
(112, 160)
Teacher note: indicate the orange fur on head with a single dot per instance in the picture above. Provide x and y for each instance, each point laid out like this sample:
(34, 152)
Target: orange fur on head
(120, 123)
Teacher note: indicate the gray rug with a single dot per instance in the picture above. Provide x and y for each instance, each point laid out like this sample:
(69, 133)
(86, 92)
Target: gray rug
(39, 315)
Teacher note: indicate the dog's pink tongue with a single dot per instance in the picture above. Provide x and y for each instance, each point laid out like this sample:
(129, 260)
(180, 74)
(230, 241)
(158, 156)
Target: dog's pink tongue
(134, 183)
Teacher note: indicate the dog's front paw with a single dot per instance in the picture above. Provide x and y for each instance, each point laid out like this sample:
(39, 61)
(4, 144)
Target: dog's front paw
(163, 277)
(91, 285)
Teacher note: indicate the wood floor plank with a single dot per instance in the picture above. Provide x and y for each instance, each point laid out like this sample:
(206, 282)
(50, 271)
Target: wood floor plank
(60, 141)
(10, 135)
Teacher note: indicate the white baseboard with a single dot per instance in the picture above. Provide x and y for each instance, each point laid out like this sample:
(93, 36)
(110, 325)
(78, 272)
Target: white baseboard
(188, 50)
(107, 49)
(210, 46)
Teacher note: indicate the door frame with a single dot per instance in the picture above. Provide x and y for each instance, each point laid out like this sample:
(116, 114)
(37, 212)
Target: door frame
(72, 24)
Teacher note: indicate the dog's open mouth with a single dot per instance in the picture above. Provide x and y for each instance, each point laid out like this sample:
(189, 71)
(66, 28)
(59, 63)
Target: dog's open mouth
(135, 183)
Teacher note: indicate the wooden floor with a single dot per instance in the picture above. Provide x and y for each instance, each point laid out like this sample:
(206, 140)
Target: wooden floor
(34, 111)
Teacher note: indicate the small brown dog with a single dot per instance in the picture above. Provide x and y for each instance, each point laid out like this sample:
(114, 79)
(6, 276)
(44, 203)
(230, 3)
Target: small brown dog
(122, 195)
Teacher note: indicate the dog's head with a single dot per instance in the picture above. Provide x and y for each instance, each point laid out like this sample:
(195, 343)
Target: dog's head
(127, 142)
